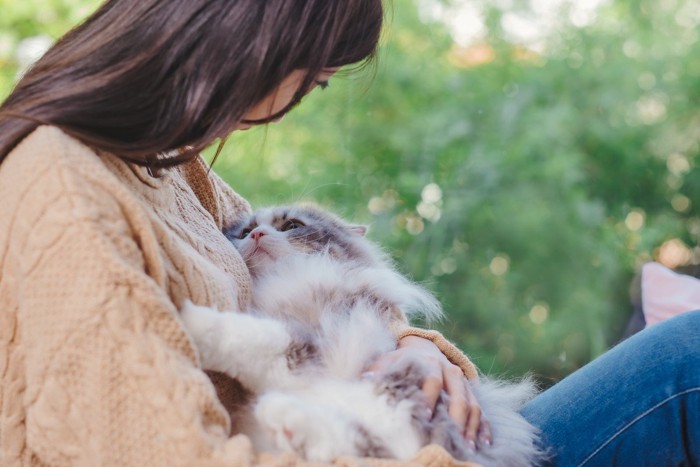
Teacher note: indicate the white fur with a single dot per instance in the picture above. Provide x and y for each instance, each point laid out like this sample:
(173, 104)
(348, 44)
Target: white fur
(353, 342)
(335, 408)
(514, 438)
(248, 348)
(283, 295)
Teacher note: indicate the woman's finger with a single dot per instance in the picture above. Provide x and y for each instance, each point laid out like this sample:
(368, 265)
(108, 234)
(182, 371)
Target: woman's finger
(473, 423)
(485, 436)
(478, 429)
(459, 397)
(432, 385)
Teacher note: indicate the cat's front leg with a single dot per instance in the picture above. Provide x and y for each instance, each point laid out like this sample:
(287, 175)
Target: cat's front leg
(257, 351)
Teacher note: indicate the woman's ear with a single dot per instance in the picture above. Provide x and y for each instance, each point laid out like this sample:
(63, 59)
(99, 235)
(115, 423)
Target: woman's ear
(360, 230)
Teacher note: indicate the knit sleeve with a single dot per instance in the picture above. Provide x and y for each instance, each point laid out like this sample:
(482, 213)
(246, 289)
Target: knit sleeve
(453, 354)
(111, 378)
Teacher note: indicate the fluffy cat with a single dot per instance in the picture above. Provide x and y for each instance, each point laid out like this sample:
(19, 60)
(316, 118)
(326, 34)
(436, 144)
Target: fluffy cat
(323, 300)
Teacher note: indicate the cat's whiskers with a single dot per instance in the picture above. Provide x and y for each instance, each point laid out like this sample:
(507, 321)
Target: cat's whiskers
(325, 236)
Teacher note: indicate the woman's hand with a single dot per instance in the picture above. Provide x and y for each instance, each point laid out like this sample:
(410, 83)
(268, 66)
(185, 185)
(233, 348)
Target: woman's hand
(441, 374)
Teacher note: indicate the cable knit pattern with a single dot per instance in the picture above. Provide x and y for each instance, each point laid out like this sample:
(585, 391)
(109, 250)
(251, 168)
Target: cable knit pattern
(96, 258)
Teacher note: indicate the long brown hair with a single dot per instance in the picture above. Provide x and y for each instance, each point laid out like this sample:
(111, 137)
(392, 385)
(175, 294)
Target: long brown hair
(144, 79)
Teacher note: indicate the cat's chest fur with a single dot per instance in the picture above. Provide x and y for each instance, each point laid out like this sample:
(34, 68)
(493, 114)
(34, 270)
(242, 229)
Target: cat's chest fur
(309, 288)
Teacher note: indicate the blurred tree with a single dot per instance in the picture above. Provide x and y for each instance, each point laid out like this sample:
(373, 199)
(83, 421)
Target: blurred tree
(521, 159)
(525, 182)
(28, 27)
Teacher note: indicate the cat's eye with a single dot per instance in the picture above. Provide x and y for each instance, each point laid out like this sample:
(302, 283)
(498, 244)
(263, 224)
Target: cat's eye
(292, 224)
(245, 232)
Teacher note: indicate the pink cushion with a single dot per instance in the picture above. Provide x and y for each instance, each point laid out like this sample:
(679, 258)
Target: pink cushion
(666, 294)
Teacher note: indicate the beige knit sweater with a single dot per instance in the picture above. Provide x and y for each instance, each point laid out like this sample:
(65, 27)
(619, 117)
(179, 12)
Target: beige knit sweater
(96, 258)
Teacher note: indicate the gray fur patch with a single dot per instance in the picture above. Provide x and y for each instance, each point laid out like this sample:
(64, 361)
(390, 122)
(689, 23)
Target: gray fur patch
(405, 384)
(368, 445)
(233, 231)
(302, 353)
(384, 308)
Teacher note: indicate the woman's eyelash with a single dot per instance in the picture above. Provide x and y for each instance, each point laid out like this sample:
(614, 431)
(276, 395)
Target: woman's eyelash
(322, 84)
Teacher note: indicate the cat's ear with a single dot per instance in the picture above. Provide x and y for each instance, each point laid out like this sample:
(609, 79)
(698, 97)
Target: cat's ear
(360, 230)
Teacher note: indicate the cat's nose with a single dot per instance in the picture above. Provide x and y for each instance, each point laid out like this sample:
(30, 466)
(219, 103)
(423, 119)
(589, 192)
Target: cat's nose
(257, 234)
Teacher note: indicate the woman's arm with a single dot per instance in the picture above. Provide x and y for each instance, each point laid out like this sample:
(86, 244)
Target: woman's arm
(111, 377)
(96, 368)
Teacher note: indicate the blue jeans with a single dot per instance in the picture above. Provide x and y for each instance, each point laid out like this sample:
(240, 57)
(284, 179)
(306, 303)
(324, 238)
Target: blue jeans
(636, 405)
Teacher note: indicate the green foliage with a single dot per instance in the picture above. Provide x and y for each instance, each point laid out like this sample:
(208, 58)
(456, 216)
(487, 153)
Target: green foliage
(524, 187)
(21, 20)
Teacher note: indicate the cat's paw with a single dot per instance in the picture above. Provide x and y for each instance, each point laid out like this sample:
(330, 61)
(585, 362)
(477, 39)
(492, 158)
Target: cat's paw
(197, 319)
(294, 425)
(200, 323)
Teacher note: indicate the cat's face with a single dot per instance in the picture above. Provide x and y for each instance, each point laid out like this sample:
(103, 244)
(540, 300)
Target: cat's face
(274, 233)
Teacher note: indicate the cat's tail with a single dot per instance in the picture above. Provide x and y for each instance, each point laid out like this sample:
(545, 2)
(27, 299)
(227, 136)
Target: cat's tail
(515, 440)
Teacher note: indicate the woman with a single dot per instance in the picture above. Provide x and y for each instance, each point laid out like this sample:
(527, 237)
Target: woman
(110, 221)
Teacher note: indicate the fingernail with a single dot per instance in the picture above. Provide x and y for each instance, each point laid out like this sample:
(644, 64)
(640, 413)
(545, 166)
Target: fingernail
(472, 445)
(429, 413)
(368, 375)
(485, 442)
